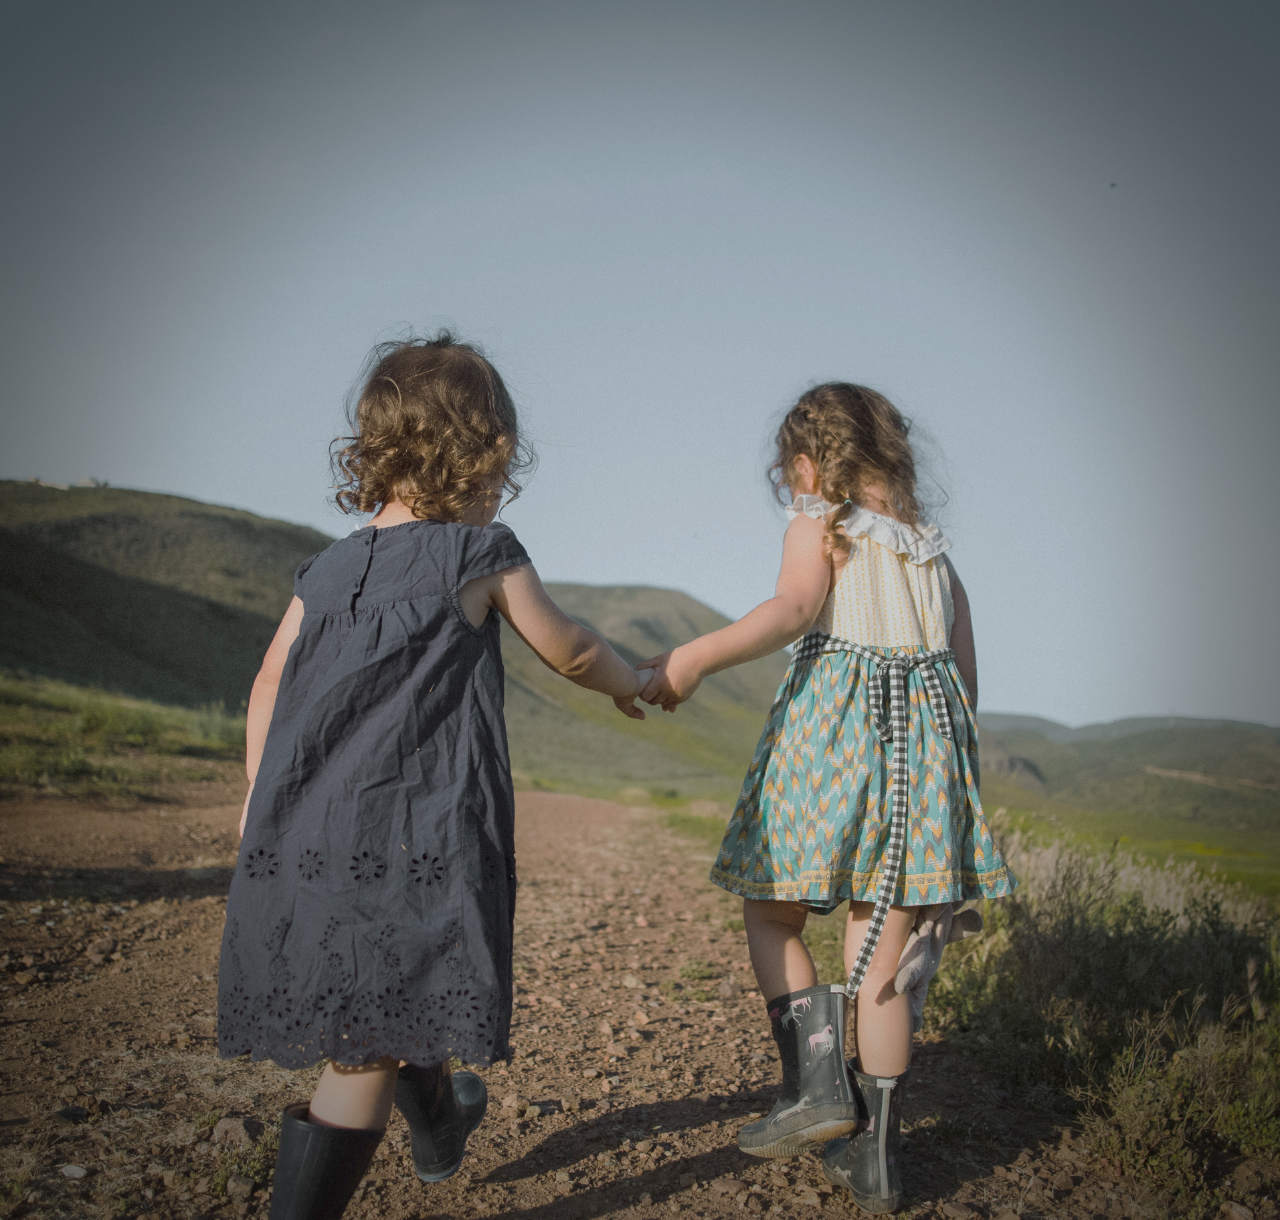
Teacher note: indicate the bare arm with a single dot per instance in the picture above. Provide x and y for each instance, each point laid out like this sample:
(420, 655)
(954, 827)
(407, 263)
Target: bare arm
(572, 650)
(262, 698)
(803, 583)
(962, 638)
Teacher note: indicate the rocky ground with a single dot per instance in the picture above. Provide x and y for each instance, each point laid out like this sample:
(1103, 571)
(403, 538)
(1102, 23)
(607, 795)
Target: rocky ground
(640, 1044)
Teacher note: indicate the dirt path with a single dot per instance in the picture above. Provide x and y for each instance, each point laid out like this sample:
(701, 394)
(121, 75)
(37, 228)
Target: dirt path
(640, 1044)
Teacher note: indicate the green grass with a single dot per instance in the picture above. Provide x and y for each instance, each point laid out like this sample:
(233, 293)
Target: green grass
(66, 740)
(1244, 856)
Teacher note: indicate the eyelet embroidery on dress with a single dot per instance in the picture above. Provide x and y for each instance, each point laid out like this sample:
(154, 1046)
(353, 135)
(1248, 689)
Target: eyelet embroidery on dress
(261, 863)
(367, 867)
(330, 930)
(426, 869)
(274, 940)
(310, 865)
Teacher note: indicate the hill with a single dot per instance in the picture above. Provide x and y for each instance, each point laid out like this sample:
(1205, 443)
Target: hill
(171, 599)
(1224, 773)
(1206, 791)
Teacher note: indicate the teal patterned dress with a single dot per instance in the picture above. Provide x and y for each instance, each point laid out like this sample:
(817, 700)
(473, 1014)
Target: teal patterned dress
(811, 824)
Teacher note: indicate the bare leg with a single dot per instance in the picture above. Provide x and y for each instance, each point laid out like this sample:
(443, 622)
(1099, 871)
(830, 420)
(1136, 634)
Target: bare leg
(778, 954)
(356, 1097)
(883, 1020)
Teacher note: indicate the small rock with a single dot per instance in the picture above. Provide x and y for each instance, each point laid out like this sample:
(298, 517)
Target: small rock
(629, 981)
(640, 1017)
(24, 977)
(239, 1187)
(512, 1102)
(641, 922)
(68, 1091)
(74, 1172)
(590, 1073)
(182, 1135)
(808, 1198)
(1231, 1210)
(727, 989)
(958, 1211)
(532, 1110)
(644, 1145)
(729, 1187)
(237, 1130)
(562, 1175)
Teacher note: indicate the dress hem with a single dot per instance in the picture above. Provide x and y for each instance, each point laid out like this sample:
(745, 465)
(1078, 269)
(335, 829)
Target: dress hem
(830, 888)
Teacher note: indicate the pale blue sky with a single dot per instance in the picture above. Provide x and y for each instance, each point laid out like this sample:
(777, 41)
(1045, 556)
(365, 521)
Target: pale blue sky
(1047, 231)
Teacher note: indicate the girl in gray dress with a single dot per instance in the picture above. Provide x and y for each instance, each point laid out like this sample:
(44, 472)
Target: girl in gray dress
(370, 914)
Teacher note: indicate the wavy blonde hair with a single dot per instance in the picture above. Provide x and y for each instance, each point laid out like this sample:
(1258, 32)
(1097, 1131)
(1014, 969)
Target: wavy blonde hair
(434, 427)
(854, 436)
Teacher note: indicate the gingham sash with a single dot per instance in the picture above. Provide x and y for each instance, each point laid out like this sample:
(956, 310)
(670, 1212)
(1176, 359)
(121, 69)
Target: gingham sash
(890, 670)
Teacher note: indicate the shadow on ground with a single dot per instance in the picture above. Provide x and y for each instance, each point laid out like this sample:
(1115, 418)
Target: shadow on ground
(19, 884)
(964, 1143)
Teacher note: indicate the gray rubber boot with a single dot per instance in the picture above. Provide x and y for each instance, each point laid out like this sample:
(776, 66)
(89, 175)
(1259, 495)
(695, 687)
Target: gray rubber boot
(866, 1164)
(817, 1102)
(317, 1167)
(442, 1109)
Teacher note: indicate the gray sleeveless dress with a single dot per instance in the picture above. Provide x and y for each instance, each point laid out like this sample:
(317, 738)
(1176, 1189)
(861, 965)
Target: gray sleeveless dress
(370, 912)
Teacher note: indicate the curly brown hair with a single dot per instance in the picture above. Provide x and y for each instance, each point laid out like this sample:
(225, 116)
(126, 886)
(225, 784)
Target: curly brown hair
(854, 437)
(434, 427)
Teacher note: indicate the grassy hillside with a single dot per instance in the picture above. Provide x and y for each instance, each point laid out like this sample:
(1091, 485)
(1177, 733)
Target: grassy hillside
(224, 555)
(1195, 790)
(168, 599)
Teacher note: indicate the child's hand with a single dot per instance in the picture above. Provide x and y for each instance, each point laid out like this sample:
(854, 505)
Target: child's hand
(676, 677)
(627, 704)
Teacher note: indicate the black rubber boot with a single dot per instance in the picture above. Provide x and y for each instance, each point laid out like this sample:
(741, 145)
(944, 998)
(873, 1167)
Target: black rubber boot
(317, 1168)
(442, 1109)
(817, 1102)
(866, 1164)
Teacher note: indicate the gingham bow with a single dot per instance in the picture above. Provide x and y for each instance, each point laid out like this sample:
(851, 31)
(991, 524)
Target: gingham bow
(891, 670)
(890, 678)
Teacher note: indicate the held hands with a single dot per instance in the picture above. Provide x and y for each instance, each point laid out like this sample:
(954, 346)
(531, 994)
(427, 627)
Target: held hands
(676, 676)
(626, 704)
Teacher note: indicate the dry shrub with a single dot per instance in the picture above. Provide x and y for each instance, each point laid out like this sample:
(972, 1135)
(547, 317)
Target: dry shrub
(1144, 997)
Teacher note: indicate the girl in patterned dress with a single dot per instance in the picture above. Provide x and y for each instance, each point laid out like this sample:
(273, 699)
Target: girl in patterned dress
(864, 784)
(370, 915)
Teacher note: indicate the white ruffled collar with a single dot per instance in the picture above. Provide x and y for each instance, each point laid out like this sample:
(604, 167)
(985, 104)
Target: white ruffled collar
(918, 543)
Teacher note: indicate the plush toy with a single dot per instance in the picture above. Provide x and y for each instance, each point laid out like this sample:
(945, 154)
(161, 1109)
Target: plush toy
(935, 928)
